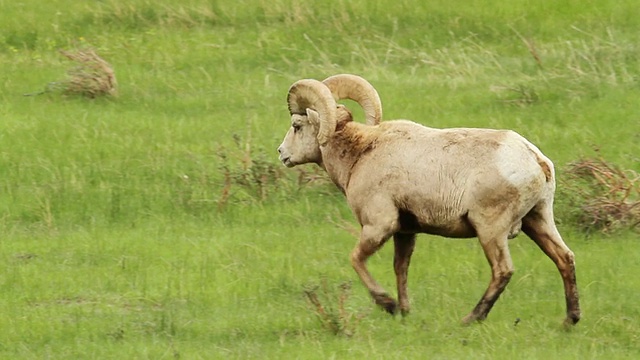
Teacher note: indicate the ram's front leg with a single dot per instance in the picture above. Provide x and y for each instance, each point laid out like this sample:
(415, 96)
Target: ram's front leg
(371, 239)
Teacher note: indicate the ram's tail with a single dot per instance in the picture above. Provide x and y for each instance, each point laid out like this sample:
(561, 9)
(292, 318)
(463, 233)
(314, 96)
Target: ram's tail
(545, 164)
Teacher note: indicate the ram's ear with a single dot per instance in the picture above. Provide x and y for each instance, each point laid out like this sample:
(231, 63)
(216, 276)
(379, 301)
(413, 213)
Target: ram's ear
(313, 116)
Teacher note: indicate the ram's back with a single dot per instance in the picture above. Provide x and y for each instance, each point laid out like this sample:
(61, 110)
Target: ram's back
(436, 176)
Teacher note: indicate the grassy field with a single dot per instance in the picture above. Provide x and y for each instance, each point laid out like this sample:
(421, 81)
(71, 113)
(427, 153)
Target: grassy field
(159, 224)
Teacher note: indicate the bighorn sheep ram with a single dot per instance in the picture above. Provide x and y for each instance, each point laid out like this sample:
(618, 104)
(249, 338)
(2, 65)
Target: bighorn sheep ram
(401, 178)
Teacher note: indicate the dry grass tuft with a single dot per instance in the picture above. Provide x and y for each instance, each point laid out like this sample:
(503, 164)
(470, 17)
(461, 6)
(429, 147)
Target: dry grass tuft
(333, 317)
(608, 197)
(93, 77)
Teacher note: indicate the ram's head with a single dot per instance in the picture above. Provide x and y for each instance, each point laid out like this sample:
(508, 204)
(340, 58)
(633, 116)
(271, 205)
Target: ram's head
(315, 114)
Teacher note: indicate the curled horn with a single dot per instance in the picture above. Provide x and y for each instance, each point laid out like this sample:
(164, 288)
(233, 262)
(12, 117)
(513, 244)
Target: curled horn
(311, 94)
(347, 86)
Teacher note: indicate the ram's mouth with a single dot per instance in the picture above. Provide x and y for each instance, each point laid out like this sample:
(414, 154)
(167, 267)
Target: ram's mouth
(287, 162)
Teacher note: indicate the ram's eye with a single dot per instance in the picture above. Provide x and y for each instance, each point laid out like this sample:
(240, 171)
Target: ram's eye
(296, 127)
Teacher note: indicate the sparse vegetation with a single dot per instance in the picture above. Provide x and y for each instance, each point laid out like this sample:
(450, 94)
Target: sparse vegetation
(249, 169)
(330, 307)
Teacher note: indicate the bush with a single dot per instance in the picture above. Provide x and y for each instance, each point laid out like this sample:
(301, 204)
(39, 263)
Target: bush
(92, 77)
(605, 197)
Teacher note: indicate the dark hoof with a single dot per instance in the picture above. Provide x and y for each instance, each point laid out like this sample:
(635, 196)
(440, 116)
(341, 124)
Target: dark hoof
(571, 319)
(391, 307)
(386, 302)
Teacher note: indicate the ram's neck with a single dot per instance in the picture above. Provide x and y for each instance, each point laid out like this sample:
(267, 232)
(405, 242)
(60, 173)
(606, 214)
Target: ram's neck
(345, 148)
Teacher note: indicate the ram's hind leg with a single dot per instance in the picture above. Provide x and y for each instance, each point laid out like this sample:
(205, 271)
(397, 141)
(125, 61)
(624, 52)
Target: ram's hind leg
(495, 245)
(404, 245)
(538, 224)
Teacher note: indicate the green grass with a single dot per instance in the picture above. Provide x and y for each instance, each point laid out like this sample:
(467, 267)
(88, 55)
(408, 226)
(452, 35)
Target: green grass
(159, 224)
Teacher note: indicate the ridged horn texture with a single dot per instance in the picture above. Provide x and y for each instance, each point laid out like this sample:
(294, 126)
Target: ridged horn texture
(312, 94)
(348, 86)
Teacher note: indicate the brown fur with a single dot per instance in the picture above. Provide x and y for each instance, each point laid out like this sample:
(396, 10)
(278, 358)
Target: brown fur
(545, 168)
